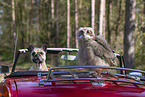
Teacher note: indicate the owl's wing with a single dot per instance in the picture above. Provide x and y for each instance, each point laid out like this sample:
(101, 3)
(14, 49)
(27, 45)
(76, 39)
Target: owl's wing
(102, 49)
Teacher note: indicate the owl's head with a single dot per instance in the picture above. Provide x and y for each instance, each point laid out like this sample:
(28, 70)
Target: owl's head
(85, 33)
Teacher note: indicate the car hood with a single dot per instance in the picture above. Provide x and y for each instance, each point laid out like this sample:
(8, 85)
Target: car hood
(29, 87)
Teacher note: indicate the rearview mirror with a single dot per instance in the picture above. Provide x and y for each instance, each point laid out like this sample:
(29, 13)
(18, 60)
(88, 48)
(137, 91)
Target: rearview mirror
(4, 69)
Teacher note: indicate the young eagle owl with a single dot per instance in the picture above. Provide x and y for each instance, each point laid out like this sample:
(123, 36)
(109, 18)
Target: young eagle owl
(94, 50)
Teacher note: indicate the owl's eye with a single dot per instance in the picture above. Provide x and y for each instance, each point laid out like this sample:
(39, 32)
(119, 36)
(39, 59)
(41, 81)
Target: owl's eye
(88, 32)
(81, 32)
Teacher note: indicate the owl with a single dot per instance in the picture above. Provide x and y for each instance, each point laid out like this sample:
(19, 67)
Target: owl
(94, 50)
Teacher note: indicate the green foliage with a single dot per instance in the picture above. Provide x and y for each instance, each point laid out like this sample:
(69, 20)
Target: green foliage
(139, 49)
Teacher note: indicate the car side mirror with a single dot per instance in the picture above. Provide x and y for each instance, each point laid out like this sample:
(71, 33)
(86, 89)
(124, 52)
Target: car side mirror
(4, 69)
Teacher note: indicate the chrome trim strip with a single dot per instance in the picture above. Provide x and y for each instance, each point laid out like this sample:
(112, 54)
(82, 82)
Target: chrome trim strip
(95, 67)
(95, 79)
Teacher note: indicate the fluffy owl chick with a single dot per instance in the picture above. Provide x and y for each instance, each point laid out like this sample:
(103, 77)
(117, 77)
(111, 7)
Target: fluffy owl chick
(94, 51)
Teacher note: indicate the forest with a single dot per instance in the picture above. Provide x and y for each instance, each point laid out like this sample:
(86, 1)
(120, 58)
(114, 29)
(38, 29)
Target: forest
(56, 22)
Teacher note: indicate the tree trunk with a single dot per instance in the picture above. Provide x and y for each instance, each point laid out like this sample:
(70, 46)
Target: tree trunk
(97, 16)
(52, 8)
(27, 23)
(76, 22)
(129, 33)
(37, 40)
(108, 21)
(13, 27)
(93, 14)
(102, 15)
(118, 19)
(13, 18)
(68, 23)
(144, 18)
(144, 9)
(57, 27)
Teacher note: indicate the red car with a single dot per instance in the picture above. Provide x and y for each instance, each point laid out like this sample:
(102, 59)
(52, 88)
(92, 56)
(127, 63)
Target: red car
(71, 81)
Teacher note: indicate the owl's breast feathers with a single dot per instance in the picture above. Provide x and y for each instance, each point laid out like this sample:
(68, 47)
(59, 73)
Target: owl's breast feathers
(86, 55)
(96, 51)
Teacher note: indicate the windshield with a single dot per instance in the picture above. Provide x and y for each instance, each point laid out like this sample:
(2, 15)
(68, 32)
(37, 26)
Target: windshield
(63, 58)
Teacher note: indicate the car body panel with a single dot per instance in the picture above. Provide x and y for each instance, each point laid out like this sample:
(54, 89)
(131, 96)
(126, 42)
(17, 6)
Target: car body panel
(29, 87)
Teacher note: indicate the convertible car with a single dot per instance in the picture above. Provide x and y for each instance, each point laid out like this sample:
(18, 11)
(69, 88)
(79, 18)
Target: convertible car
(66, 78)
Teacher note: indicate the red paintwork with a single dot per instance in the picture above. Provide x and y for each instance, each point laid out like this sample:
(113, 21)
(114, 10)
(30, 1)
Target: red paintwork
(29, 87)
